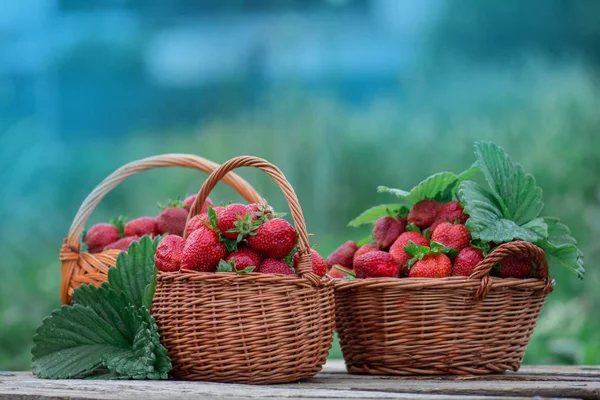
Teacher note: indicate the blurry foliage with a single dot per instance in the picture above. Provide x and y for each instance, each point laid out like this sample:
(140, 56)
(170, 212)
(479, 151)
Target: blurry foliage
(335, 156)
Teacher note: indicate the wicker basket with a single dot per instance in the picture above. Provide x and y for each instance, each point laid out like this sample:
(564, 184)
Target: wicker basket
(453, 325)
(80, 267)
(253, 328)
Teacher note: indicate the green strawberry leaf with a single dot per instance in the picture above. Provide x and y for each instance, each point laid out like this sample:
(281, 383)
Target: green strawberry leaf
(483, 246)
(289, 259)
(349, 273)
(246, 270)
(365, 240)
(171, 204)
(224, 266)
(374, 213)
(561, 248)
(119, 223)
(135, 272)
(411, 227)
(212, 219)
(437, 248)
(231, 245)
(417, 251)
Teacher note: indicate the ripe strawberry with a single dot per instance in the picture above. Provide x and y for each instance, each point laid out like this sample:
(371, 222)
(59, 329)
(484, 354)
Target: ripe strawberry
(169, 253)
(274, 266)
(386, 230)
(465, 261)
(364, 249)
(195, 223)
(187, 203)
(141, 226)
(431, 266)
(376, 264)
(451, 212)
(275, 238)
(318, 264)
(172, 221)
(516, 266)
(101, 235)
(236, 221)
(397, 250)
(122, 244)
(335, 273)
(203, 250)
(424, 213)
(244, 258)
(455, 236)
(343, 255)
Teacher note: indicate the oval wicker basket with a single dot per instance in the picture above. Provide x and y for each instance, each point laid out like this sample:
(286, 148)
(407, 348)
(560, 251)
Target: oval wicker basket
(455, 325)
(81, 267)
(253, 328)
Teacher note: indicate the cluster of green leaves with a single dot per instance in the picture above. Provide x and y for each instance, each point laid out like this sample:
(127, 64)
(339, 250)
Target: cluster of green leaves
(418, 252)
(510, 209)
(107, 332)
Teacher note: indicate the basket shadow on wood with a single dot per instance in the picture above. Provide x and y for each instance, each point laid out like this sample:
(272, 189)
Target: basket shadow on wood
(453, 325)
(252, 328)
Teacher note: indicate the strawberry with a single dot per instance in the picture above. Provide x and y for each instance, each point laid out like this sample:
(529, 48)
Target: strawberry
(122, 244)
(376, 264)
(386, 230)
(274, 266)
(196, 222)
(318, 264)
(236, 221)
(424, 213)
(455, 236)
(101, 235)
(516, 266)
(141, 226)
(339, 272)
(169, 253)
(172, 221)
(431, 266)
(187, 203)
(244, 258)
(275, 238)
(450, 212)
(364, 249)
(203, 250)
(397, 250)
(343, 255)
(466, 260)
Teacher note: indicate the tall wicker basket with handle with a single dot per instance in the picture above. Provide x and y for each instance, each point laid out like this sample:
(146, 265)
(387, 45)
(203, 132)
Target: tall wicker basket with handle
(453, 325)
(80, 267)
(252, 328)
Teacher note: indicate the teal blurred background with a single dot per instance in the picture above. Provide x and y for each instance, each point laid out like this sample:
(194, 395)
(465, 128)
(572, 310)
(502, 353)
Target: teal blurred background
(343, 95)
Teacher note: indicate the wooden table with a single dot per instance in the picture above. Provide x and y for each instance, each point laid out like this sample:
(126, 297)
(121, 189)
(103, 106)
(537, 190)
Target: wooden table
(543, 382)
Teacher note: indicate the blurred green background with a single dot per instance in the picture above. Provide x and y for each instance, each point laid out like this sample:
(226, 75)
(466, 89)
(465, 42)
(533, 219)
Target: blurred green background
(343, 95)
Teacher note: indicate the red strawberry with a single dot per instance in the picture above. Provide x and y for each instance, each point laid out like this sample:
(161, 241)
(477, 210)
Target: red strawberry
(466, 260)
(101, 235)
(274, 266)
(318, 264)
(397, 250)
(387, 230)
(516, 266)
(343, 255)
(169, 253)
(431, 266)
(172, 221)
(455, 236)
(196, 222)
(141, 226)
(187, 203)
(122, 244)
(424, 213)
(335, 273)
(275, 238)
(234, 218)
(364, 249)
(244, 258)
(375, 264)
(451, 212)
(203, 250)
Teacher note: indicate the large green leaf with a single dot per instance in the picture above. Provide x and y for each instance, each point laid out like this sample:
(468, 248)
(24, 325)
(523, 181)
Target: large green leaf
(374, 213)
(561, 248)
(519, 197)
(135, 272)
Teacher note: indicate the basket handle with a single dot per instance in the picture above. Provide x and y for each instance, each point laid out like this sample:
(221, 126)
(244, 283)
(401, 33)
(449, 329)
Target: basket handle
(127, 170)
(305, 261)
(482, 270)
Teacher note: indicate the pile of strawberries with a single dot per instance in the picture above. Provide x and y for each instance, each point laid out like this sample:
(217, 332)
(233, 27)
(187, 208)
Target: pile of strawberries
(119, 235)
(431, 242)
(236, 238)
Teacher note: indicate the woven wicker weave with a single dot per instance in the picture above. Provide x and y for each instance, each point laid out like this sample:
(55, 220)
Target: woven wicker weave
(452, 325)
(253, 328)
(80, 267)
